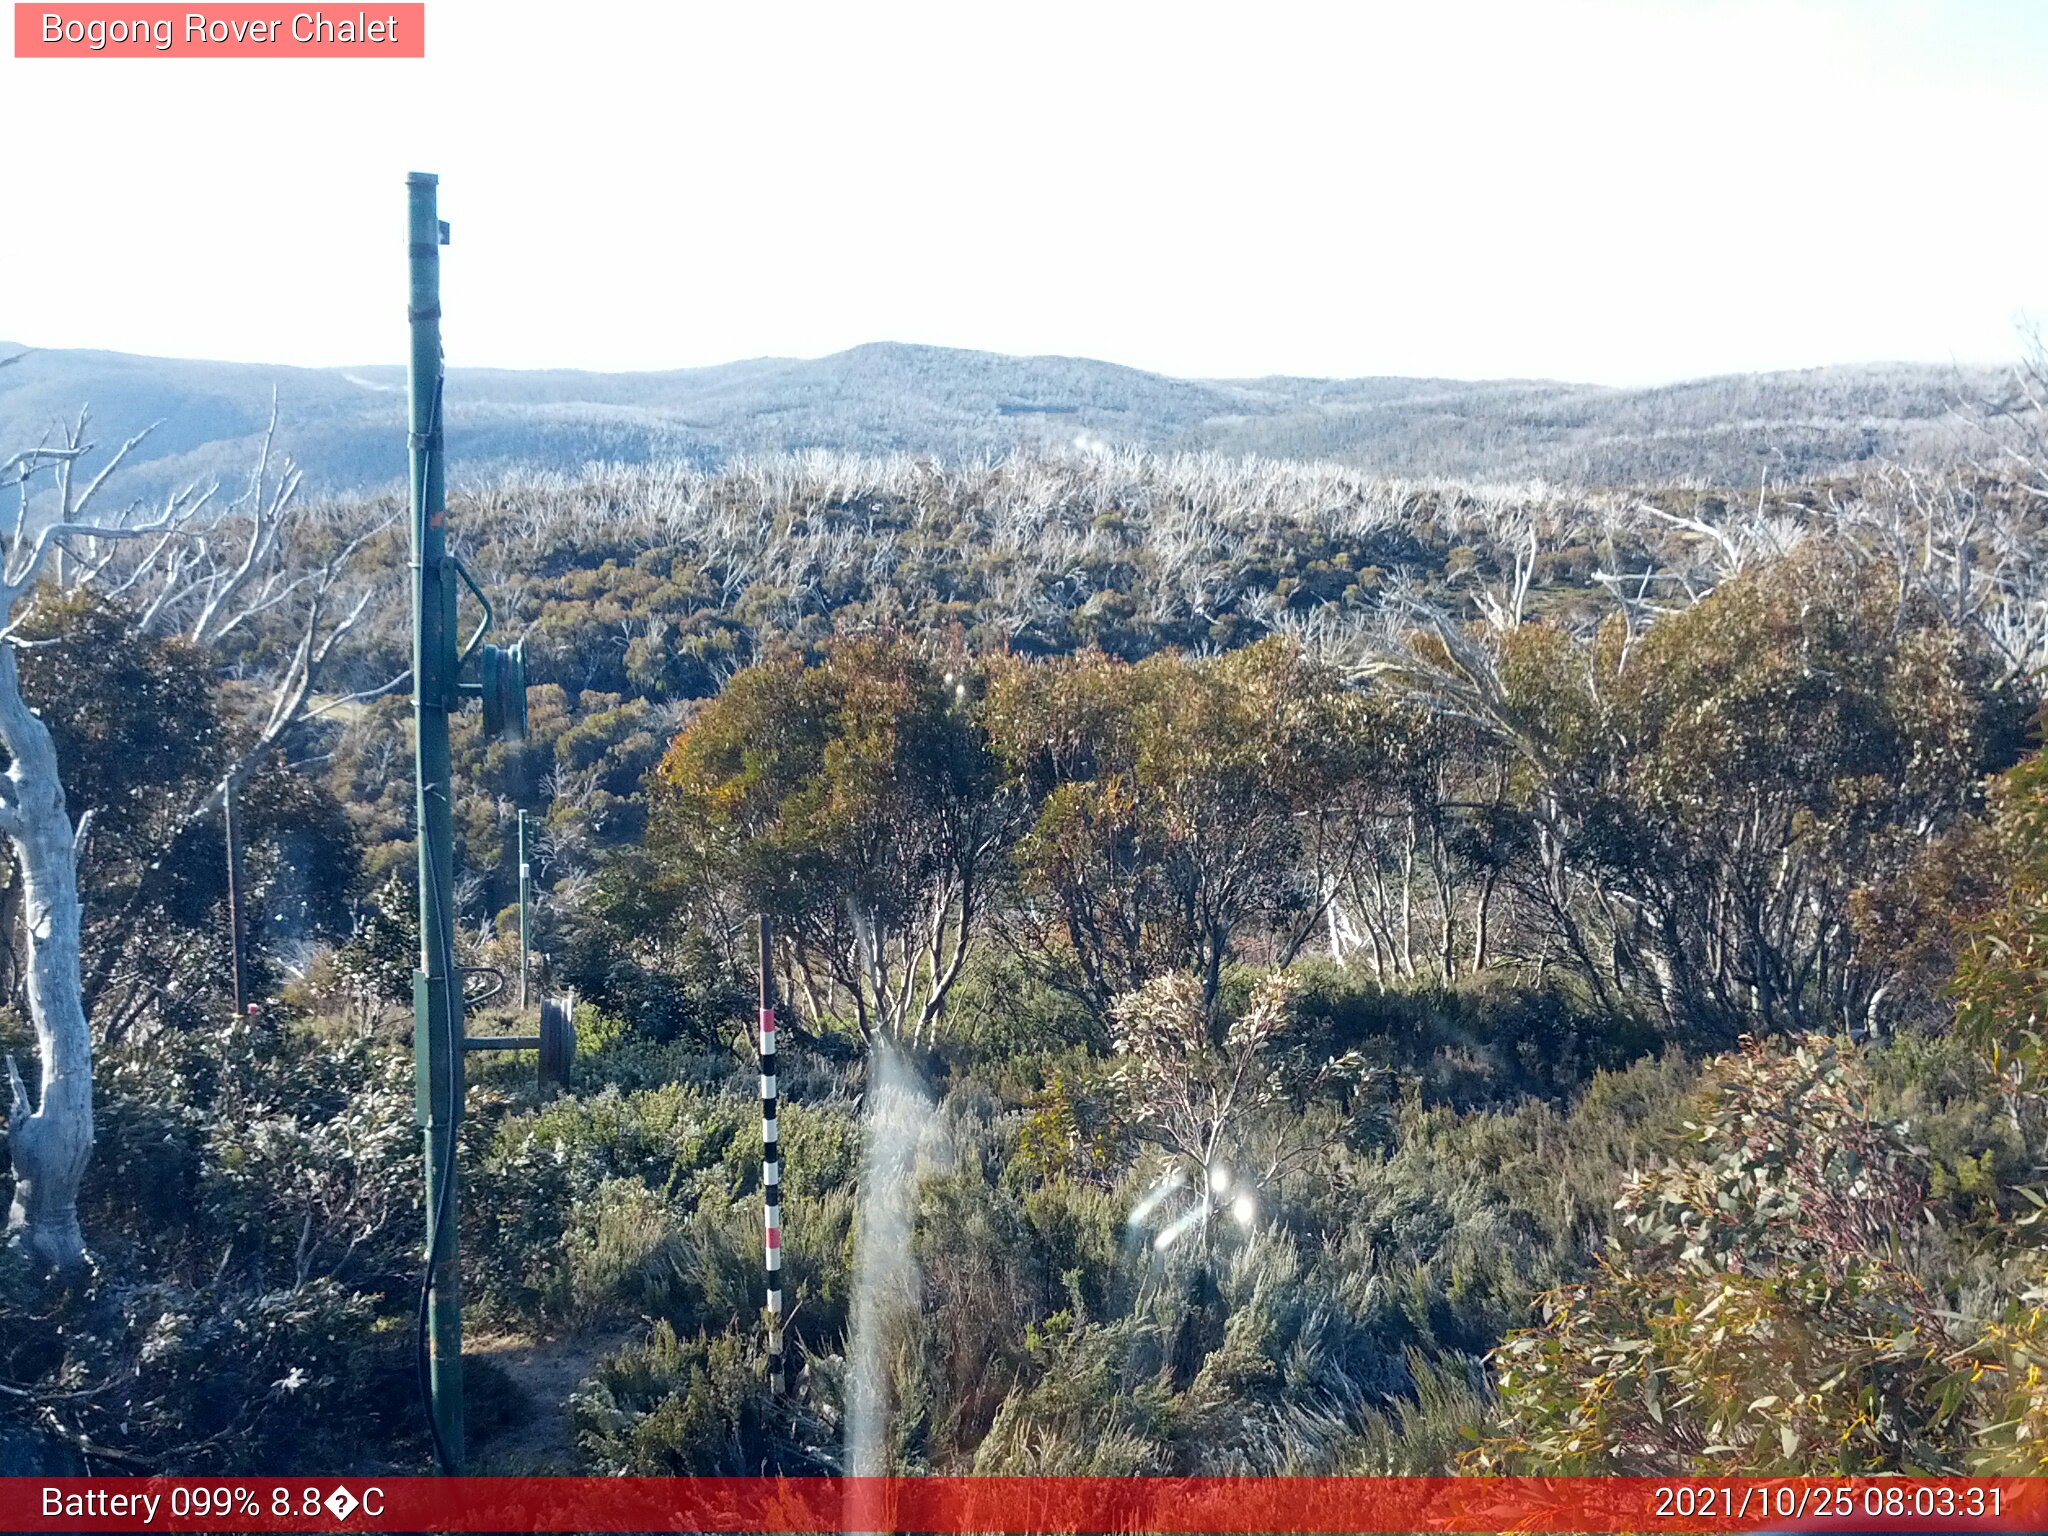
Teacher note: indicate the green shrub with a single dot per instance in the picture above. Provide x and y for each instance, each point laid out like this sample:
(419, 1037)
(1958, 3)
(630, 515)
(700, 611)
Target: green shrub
(1002, 1009)
(1779, 1300)
(626, 1248)
(688, 1407)
(1477, 1043)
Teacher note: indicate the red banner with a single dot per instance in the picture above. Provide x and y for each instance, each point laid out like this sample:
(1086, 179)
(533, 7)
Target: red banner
(952, 1505)
(226, 31)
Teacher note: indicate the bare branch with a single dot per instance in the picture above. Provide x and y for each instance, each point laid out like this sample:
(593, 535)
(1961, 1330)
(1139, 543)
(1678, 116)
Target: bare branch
(77, 508)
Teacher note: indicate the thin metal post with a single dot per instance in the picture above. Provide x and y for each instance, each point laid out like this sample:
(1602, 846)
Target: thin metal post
(525, 898)
(238, 935)
(771, 1162)
(436, 987)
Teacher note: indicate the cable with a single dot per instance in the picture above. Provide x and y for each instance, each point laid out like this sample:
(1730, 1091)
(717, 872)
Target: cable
(437, 1218)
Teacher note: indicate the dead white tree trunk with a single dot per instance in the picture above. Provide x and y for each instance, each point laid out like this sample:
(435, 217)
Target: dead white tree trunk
(50, 1141)
(50, 1138)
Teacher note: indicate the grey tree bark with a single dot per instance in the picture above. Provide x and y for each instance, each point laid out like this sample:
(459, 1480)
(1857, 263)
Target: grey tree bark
(51, 1141)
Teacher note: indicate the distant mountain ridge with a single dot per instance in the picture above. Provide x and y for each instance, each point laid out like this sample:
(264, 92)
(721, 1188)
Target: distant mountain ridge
(345, 426)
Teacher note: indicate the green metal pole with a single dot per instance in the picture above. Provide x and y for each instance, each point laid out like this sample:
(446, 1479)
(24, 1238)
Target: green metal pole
(525, 898)
(436, 989)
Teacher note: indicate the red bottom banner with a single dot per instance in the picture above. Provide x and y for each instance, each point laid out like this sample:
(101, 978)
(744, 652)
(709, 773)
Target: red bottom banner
(949, 1505)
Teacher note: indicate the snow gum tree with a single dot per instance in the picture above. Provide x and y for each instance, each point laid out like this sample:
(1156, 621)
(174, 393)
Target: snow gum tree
(855, 801)
(1179, 805)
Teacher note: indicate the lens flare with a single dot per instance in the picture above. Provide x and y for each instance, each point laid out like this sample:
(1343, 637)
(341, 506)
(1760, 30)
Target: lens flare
(1155, 1197)
(1179, 1228)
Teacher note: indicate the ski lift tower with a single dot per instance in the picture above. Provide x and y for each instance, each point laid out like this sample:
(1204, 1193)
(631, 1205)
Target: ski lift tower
(440, 688)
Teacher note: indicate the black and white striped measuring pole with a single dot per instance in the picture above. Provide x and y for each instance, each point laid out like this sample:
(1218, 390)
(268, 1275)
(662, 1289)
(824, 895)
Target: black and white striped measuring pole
(771, 1163)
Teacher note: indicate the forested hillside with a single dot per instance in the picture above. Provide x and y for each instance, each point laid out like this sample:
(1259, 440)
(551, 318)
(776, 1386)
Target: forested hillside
(1285, 969)
(344, 426)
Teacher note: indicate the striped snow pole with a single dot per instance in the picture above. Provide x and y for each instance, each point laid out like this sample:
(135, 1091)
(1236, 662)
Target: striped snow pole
(771, 1165)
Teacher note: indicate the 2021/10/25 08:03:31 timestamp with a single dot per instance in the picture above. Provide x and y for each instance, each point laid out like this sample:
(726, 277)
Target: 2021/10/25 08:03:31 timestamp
(1870, 1500)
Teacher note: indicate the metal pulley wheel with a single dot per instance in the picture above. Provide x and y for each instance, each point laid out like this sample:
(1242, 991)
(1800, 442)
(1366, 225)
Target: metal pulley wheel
(557, 1040)
(503, 679)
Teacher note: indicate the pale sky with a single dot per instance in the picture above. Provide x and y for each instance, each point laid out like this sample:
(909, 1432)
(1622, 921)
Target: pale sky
(1609, 192)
